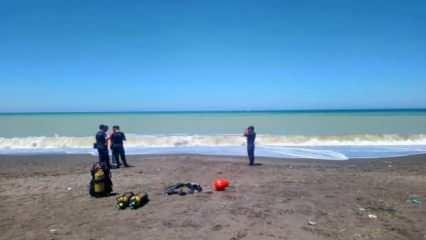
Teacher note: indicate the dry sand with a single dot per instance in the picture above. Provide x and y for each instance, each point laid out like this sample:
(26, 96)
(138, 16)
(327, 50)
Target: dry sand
(273, 201)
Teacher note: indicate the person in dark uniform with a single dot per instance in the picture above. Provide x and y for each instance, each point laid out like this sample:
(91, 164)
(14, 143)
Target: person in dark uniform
(250, 134)
(117, 139)
(102, 145)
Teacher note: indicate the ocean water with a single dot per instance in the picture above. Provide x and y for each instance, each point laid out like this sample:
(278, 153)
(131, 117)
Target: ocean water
(334, 135)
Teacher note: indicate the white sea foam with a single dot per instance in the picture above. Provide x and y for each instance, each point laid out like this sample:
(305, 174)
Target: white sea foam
(323, 147)
(217, 140)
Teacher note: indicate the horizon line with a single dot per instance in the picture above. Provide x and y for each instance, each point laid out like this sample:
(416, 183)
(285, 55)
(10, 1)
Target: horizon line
(225, 111)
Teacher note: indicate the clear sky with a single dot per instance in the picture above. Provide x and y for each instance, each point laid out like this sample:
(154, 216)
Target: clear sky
(211, 55)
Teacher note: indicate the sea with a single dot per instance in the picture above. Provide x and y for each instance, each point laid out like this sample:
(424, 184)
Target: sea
(329, 134)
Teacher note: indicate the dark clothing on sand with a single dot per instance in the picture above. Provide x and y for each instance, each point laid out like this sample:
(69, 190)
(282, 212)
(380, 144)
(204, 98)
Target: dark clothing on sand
(251, 138)
(117, 147)
(102, 146)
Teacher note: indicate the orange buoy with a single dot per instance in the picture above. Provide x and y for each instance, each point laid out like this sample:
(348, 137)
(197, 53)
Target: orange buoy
(221, 184)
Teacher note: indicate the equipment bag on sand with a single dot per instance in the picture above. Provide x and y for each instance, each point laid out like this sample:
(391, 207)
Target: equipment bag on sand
(101, 184)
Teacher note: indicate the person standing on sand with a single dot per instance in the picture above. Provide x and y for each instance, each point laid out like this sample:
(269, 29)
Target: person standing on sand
(250, 134)
(102, 145)
(117, 139)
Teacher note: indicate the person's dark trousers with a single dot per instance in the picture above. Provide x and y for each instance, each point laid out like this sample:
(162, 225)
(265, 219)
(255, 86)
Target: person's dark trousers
(250, 151)
(115, 157)
(104, 157)
(117, 153)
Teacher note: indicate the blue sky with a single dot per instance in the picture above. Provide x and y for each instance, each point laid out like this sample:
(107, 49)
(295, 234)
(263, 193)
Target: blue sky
(211, 55)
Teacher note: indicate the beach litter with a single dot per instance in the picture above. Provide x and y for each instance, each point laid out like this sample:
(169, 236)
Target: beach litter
(372, 216)
(208, 190)
(312, 223)
(53, 230)
(69, 189)
(414, 199)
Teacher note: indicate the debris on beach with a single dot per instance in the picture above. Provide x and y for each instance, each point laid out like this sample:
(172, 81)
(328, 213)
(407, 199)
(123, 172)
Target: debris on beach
(69, 189)
(357, 235)
(312, 223)
(208, 190)
(414, 199)
(372, 216)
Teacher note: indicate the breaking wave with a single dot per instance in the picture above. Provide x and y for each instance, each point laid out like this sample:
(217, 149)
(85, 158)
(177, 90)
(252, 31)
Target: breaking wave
(135, 140)
(322, 147)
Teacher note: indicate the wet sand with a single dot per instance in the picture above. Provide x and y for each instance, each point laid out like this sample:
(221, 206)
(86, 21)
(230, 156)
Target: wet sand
(280, 199)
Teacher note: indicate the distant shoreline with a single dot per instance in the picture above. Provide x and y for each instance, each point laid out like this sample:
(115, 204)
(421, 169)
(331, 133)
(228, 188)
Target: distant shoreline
(227, 111)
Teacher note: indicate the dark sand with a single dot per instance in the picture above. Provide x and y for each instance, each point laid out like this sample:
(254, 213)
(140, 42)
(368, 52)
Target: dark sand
(272, 201)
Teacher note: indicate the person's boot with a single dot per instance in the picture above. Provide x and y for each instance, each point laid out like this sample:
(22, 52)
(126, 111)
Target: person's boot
(125, 164)
(118, 164)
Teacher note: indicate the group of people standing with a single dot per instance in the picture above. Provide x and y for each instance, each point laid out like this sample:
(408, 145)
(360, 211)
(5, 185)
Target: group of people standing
(115, 142)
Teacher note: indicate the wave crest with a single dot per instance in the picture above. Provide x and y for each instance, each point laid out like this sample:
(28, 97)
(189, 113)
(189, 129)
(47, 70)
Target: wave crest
(158, 141)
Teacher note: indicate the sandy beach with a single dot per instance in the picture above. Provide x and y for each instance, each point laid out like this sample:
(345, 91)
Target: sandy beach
(46, 197)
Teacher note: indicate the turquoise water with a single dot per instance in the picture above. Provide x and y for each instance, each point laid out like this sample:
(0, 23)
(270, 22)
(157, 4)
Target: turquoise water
(286, 133)
(277, 123)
